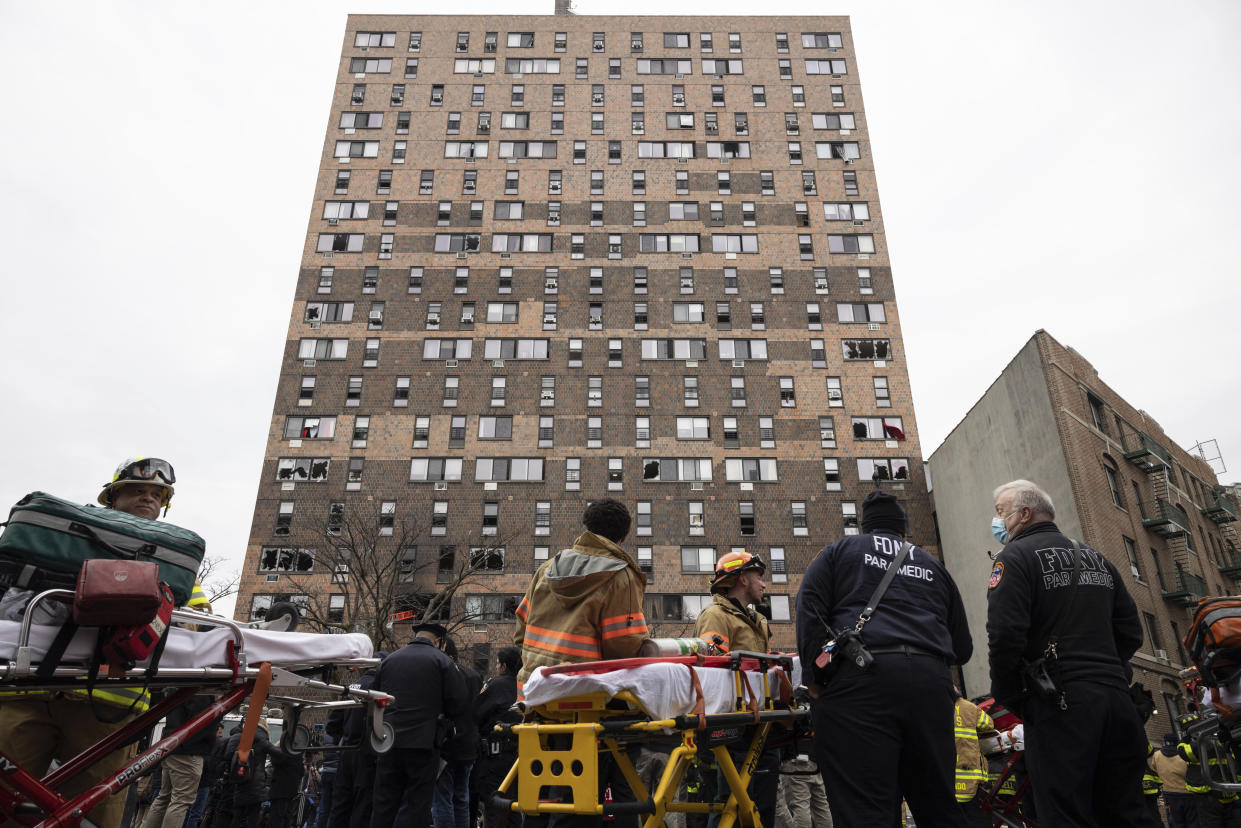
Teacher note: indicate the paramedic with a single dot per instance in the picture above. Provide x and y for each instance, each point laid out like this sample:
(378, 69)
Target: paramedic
(1086, 748)
(883, 731)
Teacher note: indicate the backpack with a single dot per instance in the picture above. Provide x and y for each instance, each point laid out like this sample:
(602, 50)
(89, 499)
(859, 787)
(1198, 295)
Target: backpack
(1214, 639)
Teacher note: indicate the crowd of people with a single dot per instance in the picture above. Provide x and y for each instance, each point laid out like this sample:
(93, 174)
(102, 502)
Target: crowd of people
(879, 626)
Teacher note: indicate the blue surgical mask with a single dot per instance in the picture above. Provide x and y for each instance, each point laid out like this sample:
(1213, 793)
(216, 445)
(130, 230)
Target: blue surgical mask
(999, 529)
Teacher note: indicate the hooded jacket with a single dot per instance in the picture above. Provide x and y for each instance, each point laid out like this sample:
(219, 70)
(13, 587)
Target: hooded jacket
(737, 627)
(584, 604)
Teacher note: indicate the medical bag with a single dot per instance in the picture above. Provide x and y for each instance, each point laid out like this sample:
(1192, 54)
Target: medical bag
(1214, 639)
(47, 533)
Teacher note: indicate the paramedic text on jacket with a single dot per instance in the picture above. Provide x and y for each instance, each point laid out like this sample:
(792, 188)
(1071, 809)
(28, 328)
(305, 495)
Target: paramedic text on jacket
(886, 732)
(1085, 761)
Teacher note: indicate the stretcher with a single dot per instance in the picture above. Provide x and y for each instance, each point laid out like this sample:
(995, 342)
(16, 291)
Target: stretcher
(578, 713)
(220, 657)
(1007, 784)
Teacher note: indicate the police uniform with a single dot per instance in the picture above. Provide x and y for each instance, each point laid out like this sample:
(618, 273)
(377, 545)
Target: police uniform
(886, 732)
(1085, 761)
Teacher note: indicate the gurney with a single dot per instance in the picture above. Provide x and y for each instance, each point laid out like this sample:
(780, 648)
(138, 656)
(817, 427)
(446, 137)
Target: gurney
(577, 713)
(229, 659)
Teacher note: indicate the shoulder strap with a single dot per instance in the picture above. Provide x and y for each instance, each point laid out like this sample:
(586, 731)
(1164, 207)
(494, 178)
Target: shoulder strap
(1064, 609)
(888, 576)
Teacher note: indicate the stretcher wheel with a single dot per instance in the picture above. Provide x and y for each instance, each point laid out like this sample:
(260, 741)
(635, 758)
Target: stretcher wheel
(384, 744)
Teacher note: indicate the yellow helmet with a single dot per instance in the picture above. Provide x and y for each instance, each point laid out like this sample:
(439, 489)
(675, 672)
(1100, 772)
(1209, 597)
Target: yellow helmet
(140, 470)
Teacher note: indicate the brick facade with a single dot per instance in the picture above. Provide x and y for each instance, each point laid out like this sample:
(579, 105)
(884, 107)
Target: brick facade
(381, 272)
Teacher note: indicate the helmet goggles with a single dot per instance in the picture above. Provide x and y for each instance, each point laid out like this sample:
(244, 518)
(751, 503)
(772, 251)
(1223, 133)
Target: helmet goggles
(147, 470)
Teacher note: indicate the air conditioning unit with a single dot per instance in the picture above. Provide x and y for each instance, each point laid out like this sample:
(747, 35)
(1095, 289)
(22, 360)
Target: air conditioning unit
(553, 218)
(549, 319)
(553, 187)
(450, 363)
(695, 487)
(497, 363)
(678, 100)
(333, 222)
(461, 254)
(1162, 655)
(596, 100)
(506, 255)
(718, 76)
(310, 363)
(873, 326)
(713, 130)
(598, 46)
(441, 485)
(467, 319)
(636, 45)
(433, 319)
(548, 396)
(678, 76)
(738, 363)
(691, 363)
(484, 128)
(614, 248)
(489, 47)
(551, 284)
(365, 48)
(468, 187)
(687, 255)
(376, 316)
(834, 394)
(820, 284)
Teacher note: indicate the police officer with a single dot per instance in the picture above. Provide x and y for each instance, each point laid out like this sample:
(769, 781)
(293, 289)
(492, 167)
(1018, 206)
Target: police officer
(1085, 746)
(885, 731)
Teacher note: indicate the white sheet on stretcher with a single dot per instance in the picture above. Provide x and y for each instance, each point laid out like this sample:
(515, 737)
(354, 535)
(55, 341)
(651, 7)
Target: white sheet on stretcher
(207, 648)
(665, 690)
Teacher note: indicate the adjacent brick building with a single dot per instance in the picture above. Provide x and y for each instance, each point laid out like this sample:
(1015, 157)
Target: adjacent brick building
(1117, 481)
(553, 258)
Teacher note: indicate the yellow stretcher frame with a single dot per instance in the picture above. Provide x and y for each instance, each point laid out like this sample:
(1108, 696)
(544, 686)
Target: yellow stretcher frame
(561, 748)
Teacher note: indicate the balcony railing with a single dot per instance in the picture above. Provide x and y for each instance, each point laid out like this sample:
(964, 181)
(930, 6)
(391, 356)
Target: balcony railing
(1164, 518)
(1147, 454)
(1187, 589)
(1220, 510)
(1230, 561)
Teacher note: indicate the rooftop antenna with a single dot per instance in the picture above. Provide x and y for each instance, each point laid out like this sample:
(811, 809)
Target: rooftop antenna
(1209, 451)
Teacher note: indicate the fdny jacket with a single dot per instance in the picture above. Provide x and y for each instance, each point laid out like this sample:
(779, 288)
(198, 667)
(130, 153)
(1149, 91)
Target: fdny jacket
(922, 607)
(1028, 590)
(584, 604)
(969, 722)
(739, 628)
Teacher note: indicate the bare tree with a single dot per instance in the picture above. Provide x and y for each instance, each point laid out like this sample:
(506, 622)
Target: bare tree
(376, 570)
(216, 578)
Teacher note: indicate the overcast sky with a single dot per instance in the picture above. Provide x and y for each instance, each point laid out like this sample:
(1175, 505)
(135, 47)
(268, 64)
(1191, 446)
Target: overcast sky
(1072, 166)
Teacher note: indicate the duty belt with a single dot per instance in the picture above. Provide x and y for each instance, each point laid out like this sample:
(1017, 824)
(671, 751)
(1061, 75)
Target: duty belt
(908, 650)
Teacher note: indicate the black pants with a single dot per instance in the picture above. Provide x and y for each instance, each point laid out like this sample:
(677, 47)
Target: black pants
(1182, 809)
(1086, 762)
(404, 783)
(278, 815)
(1215, 814)
(763, 788)
(489, 772)
(353, 790)
(884, 734)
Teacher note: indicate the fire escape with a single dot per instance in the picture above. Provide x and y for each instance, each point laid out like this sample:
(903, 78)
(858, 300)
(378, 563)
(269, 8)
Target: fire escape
(1165, 517)
(1223, 512)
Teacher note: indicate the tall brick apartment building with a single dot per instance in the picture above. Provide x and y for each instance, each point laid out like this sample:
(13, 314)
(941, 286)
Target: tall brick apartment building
(555, 258)
(1117, 481)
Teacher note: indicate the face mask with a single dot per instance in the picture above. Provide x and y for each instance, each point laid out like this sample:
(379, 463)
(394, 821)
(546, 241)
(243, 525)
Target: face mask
(999, 529)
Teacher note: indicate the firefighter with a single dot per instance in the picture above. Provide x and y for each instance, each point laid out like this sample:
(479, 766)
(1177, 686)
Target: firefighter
(1171, 767)
(970, 720)
(732, 623)
(1216, 809)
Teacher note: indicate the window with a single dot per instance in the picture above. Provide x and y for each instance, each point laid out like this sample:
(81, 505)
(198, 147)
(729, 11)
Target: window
(737, 391)
(866, 349)
(372, 39)
(594, 391)
(467, 66)
(446, 348)
(833, 120)
(550, 316)
(329, 312)
(452, 386)
(642, 391)
(756, 469)
(400, 396)
(745, 512)
(676, 469)
(693, 428)
(682, 182)
(377, 65)
(581, 68)
(846, 150)
(882, 399)
(353, 391)
(704, 41)
(547, 432)
(387, 517)
(302, 469)
(667, 243)
(882, 468)
(743, 348)
(834, 66)
(543, 517)
(676, 40)
(665, 149)
(1131, 551)
(465, 149)
(690, 391)
(309, 428)
(499, 390)
(759, 94)
(642, 518)
(666, 66)
(642, 432)
(560, 40)
(495, 428)
(734, 243)
(719, 67)
(1113, 483)
(788, 393)
(508, 469)
(861, 312)
(521, 243)
(435, 468)
(520, 40)
(463, 41)
(547, 391)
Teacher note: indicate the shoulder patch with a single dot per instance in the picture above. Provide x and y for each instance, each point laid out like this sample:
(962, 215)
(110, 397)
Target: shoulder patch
(997, 572)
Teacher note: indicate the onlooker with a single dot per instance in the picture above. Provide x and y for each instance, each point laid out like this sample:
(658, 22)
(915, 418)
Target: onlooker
(495, 705)
(182, 769)
(451, 806)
